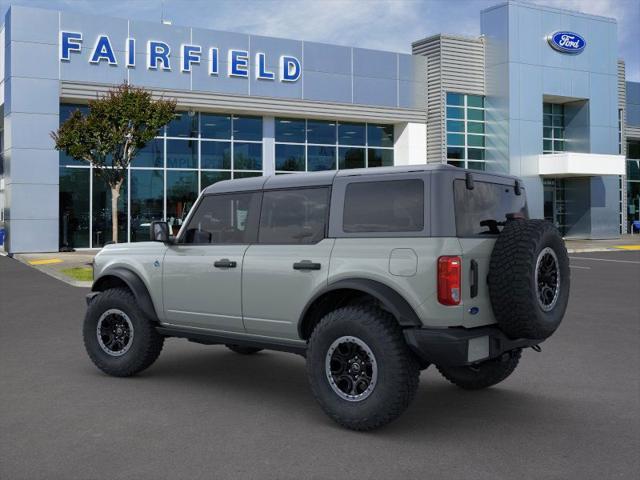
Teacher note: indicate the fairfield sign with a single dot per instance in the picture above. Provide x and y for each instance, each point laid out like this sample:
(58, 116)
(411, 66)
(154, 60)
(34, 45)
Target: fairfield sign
(159, 56)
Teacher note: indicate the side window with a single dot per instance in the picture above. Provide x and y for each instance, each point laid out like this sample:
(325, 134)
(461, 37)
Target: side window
(228, 218)
(295, 216)
(485, 209)
(384, 206)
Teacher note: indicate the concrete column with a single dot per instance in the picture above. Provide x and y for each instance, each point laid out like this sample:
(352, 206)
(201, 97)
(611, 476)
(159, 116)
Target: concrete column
(268, 145)
(410, 146)
(31, 112)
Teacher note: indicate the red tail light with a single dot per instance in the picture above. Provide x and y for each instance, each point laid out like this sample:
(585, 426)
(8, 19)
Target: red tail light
(449, 268)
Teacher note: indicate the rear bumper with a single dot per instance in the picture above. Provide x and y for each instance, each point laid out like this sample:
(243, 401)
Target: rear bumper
(461, 346)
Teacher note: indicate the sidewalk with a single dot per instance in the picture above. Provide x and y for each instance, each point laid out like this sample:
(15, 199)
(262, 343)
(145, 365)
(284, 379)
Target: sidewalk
(626, 242)
(73, 268)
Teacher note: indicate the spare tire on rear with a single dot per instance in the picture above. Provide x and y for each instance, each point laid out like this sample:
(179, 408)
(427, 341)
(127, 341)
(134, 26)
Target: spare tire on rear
(529, 279)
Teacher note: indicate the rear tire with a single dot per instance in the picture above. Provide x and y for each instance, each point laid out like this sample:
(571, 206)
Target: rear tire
(242, 350)
(361, 372)
(120, 340)
(483, 375)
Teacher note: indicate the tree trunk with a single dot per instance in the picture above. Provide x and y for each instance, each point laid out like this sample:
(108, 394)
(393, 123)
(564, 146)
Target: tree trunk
(115, 194)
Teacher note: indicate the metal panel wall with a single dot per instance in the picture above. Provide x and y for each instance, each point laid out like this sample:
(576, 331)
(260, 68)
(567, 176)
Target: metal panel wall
(454, 64)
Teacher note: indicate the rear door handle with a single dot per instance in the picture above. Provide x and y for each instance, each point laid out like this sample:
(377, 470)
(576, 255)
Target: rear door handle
(225, 263)
(306, 265)
(474, 279)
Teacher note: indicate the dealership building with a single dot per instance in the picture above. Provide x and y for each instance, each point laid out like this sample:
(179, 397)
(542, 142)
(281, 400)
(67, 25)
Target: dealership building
(541, 94)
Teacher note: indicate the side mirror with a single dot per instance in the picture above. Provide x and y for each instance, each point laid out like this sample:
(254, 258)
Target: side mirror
(159, 232)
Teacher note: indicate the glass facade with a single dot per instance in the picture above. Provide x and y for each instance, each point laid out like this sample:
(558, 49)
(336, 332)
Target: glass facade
(192, 152)
(305, 145)
(465, 130)
(633, 182)
(552, 128)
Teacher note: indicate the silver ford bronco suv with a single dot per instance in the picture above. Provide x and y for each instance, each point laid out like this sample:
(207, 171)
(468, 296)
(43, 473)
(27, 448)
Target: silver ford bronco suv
(372, 275)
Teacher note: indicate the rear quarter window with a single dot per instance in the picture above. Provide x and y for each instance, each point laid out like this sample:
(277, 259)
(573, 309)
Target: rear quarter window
(484, 210)
(384, 206)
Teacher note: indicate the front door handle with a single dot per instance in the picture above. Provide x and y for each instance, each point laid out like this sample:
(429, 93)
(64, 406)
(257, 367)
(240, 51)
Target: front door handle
(306, 265)
(225, 263)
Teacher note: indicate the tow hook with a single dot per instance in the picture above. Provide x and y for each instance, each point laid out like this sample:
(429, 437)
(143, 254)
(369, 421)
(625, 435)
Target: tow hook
(536, 348)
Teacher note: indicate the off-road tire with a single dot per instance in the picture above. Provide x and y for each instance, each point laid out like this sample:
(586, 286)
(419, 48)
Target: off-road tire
(482, 375)
(146, 344)
(242, 350)
(397, 367)
(512, 273)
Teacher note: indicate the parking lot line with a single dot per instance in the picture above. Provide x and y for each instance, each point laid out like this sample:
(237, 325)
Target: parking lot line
(582, 268)
(628, 247)
(604, 260)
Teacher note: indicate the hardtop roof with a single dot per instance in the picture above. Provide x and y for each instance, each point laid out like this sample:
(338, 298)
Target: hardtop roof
(312, 179)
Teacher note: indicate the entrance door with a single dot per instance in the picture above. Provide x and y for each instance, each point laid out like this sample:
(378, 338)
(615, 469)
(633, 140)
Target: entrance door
(290, 262)
(555, 203)
(202, 272)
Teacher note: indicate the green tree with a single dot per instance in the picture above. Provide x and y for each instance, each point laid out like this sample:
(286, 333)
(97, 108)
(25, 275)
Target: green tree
(117, 126)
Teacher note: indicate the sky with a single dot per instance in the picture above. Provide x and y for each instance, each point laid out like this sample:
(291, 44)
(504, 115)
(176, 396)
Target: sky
(378, 24)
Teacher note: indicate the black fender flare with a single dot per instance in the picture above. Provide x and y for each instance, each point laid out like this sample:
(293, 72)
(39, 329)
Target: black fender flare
(392, 301)
(135, 284)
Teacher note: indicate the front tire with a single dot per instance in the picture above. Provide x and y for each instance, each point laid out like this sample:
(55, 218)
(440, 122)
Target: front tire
(120, 340)
(361, 372)
(483, 375)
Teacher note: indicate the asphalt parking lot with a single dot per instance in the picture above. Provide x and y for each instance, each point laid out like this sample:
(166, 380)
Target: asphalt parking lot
(572, 411)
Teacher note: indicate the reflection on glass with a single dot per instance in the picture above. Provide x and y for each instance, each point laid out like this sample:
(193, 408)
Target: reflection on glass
(182, 191)
(216, 155)
(378, 157)
(247, 128)
(455, 139)
(477, 115)
(455, 112)
(455, 98)
(351, 157)
(182, 154)
(247, 156)
(151, 155)
(215, 126)
(379, 135)
(102, 212)
(455, 126)
(246, 174)
(320, 131)
(290, 130)
(321, 158)
(184, 124)
(74, 207)
(351, 133)
(455, 152)
(147, 188)
(209, 178)
(290, 158)
(475, 101)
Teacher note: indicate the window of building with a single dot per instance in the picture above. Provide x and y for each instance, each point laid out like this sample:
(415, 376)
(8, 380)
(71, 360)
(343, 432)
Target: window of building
(314, 145)
(553, 128)
(384, 206)
(194, 151)
(633, 181)
(465, 130)
(225, 219)
(294, 216)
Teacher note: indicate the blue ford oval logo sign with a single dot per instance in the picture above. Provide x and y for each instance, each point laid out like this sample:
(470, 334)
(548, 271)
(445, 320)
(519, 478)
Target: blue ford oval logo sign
(567, 42)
